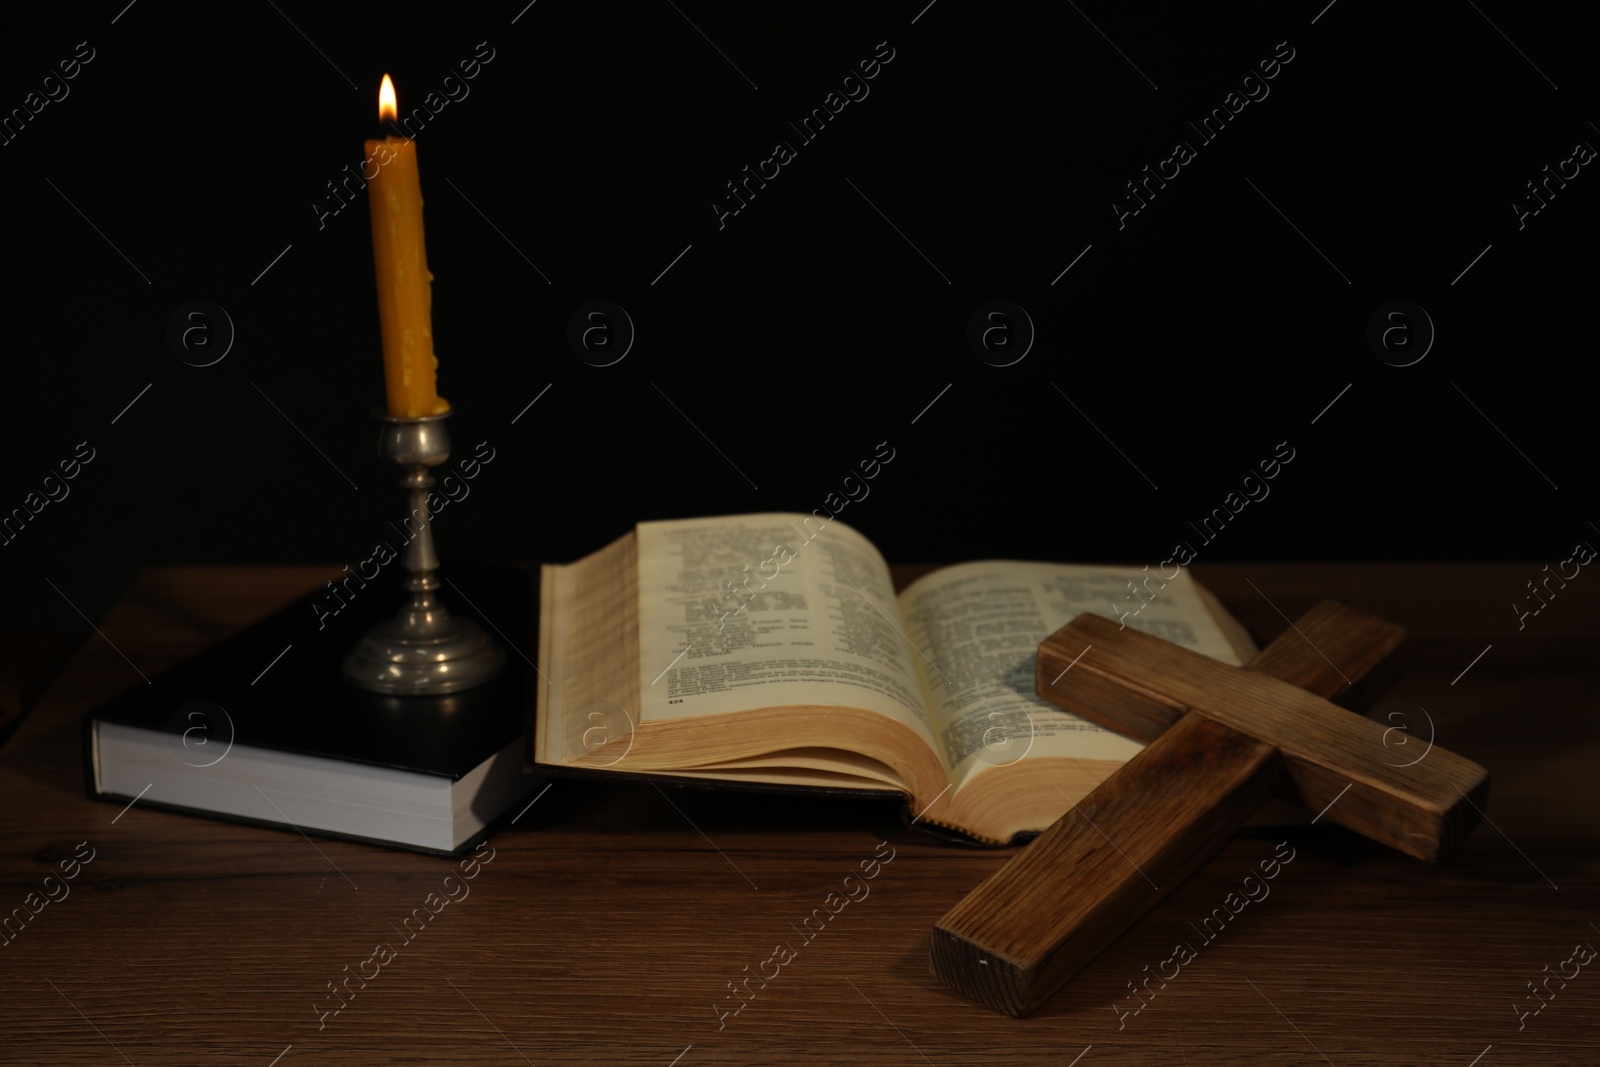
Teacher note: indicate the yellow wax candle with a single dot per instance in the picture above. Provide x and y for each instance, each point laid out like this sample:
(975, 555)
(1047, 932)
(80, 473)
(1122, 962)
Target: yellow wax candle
(405, 294)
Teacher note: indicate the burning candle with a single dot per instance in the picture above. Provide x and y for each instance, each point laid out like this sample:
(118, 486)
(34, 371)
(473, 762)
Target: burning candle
(405, 294)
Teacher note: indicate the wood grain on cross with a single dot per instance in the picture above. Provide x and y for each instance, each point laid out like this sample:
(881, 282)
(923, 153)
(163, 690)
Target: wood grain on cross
(1222, 740)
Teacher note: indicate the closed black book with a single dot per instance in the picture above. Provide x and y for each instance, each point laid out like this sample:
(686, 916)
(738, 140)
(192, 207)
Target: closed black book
(263, 729)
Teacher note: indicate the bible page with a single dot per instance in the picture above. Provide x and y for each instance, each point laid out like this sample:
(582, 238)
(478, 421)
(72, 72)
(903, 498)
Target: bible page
(768, 610)
(980, 625)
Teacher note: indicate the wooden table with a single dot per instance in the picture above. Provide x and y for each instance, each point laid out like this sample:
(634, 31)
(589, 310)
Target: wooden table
(610, 921)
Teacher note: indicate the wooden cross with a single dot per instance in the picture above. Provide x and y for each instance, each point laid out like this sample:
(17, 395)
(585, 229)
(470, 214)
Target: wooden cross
(1222, 740)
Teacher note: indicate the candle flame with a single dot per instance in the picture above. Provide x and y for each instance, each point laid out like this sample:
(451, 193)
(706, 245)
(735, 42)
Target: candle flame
(388, 109)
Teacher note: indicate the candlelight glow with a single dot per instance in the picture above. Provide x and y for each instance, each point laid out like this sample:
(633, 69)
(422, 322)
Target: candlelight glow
(388, 110)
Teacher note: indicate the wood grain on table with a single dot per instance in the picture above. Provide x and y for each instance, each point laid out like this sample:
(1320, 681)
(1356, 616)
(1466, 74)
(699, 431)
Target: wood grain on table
(613, 919)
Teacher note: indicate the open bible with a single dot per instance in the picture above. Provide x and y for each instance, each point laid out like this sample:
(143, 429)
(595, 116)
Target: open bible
(772, 649)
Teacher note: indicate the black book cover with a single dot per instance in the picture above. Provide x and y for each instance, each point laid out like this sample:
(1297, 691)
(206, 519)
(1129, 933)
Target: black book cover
(276, 685)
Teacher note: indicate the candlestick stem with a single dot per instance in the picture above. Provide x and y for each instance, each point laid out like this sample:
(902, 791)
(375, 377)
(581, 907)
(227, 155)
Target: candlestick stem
(423, 649)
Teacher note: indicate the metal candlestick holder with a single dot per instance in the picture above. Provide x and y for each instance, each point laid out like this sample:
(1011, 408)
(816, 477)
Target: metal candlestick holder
(423, 650)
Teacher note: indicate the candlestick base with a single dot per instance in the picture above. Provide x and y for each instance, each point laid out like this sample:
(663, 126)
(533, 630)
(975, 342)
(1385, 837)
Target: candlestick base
(420, 653)
(423, 650)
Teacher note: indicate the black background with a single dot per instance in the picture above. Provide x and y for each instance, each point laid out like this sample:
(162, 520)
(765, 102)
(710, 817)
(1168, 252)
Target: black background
(808, 329)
